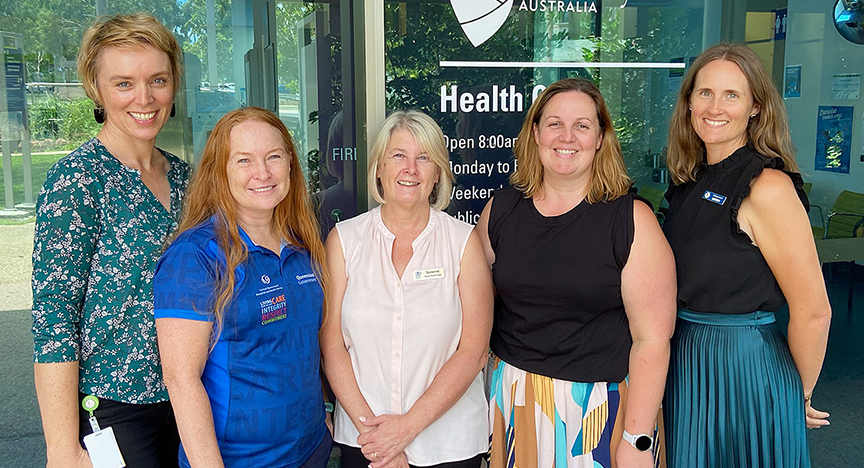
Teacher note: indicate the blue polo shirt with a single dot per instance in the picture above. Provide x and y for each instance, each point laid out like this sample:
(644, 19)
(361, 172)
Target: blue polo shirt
(262, 376)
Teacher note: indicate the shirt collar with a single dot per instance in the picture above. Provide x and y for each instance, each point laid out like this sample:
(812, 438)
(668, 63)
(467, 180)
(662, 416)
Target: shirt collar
(250, 246)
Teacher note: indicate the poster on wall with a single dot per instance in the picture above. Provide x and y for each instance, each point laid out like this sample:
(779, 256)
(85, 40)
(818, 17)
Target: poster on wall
(834, 138)
(846, 87)
(792, 82)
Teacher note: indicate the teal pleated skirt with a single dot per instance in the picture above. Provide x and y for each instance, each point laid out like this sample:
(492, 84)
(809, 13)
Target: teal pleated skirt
(733, 396)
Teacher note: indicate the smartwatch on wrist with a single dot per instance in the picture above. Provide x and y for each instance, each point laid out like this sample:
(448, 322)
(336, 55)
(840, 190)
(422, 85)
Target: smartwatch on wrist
(642, 442)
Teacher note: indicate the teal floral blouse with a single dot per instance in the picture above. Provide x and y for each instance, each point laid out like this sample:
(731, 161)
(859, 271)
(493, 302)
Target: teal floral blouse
(99, 233)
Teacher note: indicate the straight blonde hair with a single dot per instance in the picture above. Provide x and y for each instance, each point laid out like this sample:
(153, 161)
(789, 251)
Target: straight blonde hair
(429, 136)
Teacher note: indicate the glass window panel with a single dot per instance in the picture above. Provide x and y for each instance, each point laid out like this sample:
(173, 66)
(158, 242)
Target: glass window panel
(297, 71)
(423, 38)
(314, 57)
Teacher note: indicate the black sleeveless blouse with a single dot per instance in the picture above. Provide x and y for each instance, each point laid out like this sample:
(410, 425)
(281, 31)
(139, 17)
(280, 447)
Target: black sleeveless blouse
(558, 309)
(719, 268)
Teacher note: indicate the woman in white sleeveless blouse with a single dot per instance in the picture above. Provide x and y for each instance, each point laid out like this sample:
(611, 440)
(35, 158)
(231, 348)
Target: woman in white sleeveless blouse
(410, 312)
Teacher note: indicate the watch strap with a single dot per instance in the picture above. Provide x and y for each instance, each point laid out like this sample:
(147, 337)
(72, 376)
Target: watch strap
(641, 442)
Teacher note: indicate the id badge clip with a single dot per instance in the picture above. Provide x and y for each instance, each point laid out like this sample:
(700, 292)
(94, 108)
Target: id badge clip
(101, 444)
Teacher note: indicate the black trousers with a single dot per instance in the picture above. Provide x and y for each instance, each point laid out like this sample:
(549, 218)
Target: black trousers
(352, 457)
(146, 434)
(321, 455)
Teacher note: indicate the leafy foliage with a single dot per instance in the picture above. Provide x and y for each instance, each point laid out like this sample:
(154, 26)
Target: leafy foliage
(69, 122)
(78, 123)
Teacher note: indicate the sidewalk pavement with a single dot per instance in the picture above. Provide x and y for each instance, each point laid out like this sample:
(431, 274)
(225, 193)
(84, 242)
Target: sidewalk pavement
(16, 247)
(22, 444)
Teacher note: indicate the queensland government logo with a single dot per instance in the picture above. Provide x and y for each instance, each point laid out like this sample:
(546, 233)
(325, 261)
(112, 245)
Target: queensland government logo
(481, 19)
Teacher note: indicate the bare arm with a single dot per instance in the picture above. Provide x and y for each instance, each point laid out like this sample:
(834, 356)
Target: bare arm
(184, 346)
(334, 354)
(648, 288)
(57, 391)
(482, 230)
(66, 232)
(778, 225)
(394, 433)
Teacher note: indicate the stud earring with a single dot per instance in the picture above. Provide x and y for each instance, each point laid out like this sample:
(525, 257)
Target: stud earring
(99, 114)
(173, 110)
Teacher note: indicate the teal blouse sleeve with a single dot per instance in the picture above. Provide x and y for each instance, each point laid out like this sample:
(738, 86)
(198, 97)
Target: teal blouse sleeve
(63, 246)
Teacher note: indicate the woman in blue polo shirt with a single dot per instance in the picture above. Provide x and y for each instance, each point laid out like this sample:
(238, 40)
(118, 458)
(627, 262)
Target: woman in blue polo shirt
(238, 304)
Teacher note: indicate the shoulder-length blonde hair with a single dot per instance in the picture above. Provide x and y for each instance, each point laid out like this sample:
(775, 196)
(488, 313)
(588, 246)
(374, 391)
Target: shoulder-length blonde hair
(429, 136)
(209, 195)
(767, 131)
(123, 32)
(609, 179)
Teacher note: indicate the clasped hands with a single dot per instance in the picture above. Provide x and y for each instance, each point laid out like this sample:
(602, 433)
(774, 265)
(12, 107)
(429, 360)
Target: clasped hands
(385, 442)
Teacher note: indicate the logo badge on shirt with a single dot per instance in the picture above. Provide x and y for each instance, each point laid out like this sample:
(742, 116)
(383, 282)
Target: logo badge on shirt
(265, 279)
(273, 309)
(714, 197)
(432, 273)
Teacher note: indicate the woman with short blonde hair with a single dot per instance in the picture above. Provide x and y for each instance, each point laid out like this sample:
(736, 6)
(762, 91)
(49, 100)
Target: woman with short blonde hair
(428, 135)
(410, 310)
(101, 220)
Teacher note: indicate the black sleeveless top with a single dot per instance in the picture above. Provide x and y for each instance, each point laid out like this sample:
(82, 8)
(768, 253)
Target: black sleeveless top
(558, 311)
(719, 268)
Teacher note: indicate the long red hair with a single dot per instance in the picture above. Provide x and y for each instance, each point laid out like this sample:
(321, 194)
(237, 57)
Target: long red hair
(209, 195)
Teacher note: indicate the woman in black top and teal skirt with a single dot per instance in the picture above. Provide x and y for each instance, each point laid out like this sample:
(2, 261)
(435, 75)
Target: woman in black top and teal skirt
(737, 394)
(585, 301)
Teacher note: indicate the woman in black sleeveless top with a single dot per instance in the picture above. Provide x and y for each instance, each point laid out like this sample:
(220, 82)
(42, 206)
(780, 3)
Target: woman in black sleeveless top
(579, 267)
(738, 225)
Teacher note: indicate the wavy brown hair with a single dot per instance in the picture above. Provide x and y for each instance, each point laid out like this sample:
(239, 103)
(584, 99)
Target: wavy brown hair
(609, 179)
(767, 131)
(209, 195)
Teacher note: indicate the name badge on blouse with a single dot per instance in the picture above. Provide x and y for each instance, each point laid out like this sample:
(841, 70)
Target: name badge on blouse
(432, 273)
(714, 197)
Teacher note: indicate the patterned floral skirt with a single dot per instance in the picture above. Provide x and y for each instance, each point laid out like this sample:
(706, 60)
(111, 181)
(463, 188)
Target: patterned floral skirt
(541, 422)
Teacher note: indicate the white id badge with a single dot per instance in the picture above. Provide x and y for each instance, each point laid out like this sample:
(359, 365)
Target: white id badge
(103, 449)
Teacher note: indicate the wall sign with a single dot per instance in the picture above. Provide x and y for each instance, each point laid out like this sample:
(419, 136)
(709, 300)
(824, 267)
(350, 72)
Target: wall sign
(834, 138)
(846, 86)
(780, 24)
(792, 82)
(490, 59)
